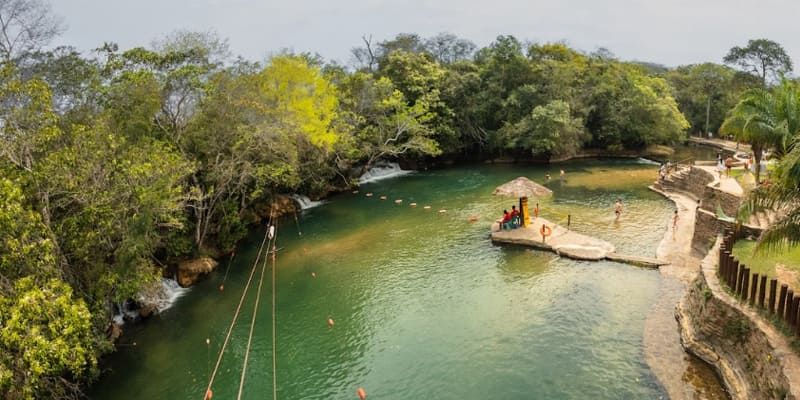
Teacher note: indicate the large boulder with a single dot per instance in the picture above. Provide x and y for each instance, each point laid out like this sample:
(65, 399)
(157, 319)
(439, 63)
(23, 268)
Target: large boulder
(189, 271)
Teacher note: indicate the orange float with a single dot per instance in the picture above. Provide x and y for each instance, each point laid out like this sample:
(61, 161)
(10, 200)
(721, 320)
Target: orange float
(209, 394)
(362, 394)
(545, 231)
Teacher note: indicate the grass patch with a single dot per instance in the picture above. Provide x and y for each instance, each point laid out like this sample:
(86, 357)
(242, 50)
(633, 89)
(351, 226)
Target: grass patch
(764, 263)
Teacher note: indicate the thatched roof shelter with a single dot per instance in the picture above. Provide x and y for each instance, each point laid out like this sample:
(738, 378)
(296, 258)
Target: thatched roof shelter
(522, 187)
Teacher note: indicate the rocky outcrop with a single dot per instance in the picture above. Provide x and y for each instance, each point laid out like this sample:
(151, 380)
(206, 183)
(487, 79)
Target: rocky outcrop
(190, 271)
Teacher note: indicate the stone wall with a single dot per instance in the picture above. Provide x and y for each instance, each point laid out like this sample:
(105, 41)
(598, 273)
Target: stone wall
(712, 197)
(714, 328)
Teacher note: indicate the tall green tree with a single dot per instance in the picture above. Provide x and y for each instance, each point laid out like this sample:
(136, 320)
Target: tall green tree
(761, 57)
(766, 119)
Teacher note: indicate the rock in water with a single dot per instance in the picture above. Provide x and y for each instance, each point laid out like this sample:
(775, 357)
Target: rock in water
(189, 271)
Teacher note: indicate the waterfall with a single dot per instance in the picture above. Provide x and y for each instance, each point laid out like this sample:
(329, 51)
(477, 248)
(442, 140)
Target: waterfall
(382, 171)
(164, 295)
(642, 160)
(304, 202)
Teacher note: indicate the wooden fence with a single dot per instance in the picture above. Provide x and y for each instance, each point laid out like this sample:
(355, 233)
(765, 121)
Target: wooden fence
(775, 298)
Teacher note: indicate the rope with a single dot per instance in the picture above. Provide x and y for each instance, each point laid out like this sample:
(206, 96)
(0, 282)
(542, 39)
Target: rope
(274, 348)
(253, 319)
(299, 233)
(236, 314)
(230, 261)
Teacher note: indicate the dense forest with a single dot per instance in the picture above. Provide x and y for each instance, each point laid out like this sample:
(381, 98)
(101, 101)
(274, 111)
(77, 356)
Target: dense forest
(116, 163)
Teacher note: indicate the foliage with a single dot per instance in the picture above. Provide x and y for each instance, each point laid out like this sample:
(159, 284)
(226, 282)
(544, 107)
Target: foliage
(25, 26)
(549, 129)
(761, 57)
(44, 333)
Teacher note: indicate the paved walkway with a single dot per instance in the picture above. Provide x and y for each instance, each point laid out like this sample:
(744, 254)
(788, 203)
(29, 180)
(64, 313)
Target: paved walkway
(681, 376)
(728, 145)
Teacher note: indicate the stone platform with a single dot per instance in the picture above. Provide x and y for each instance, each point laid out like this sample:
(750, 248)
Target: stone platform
(568, 243)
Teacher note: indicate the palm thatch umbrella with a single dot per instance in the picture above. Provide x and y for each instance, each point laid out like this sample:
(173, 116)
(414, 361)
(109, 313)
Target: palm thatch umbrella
(522, 187)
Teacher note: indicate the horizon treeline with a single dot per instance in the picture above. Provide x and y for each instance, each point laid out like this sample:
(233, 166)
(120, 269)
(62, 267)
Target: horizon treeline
(116, 165)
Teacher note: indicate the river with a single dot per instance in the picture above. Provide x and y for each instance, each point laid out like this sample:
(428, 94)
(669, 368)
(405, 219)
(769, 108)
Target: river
(424, 305)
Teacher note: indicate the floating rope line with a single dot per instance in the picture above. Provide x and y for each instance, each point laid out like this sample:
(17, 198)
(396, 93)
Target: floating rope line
(236, 313)
(255, 311)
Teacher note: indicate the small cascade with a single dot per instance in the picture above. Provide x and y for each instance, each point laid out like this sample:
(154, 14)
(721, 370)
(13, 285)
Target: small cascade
(382, 171)
(304, 202)
(155, 299)
(163, 295)
(642, 160)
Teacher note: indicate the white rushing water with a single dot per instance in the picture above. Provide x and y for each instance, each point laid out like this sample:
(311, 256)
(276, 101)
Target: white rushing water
(162, 295)
(646, 161)
(382, 171)
(304, 202)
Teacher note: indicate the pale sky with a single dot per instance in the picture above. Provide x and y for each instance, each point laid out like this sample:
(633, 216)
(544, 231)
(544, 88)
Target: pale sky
(670, 32)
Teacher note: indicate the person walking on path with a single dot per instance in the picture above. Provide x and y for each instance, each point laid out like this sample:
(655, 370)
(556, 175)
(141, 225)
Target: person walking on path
(728, 165)
(618, 208)
(675, 223)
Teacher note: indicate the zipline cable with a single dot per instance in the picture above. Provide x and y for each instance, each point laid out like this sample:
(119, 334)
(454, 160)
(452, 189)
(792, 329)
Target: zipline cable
(274, 349)
(230, 261)
(236, 313)
(255, 313)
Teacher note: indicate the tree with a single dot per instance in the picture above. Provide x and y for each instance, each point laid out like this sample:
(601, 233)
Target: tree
(26, 26)
(548, 130)
(766, 119)
(705, 92)
(447, 48)
(761, 57)
(45, 335)
(386, 125)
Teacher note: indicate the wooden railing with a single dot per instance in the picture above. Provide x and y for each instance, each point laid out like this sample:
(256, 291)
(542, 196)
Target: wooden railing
(757, 290)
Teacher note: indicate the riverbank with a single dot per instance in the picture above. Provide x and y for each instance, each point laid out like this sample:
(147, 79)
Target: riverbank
(682, 376)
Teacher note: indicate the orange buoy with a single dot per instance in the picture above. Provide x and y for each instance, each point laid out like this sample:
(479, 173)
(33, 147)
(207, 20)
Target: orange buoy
(209, 394)
(473, 218)
(362, 394)
(330, 322)
(545, 231)
(313, 274)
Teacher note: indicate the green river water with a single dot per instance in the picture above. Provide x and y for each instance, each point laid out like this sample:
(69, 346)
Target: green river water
(425, 306)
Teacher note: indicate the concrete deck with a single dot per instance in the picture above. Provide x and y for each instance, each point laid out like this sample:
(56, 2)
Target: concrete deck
(567, 243)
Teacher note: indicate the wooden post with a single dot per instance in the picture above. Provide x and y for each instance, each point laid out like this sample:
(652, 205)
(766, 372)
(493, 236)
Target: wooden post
(753, 290)
(745, 283)
(773, 286)
(733, 273)
(525, 213)
(793, 311)
(740, 279)
(788, 306)
(762, 291)
(782, 300)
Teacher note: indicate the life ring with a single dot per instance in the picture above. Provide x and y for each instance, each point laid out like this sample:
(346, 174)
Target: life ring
(546, 230)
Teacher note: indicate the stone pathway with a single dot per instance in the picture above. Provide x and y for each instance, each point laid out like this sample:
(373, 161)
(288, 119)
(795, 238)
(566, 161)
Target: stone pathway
(664, 354)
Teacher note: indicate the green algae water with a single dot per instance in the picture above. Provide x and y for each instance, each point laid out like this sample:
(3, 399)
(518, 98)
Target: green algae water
(424, 305)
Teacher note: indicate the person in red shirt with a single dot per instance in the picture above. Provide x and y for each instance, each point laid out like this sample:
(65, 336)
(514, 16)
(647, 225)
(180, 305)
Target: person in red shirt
(506, 222)
(515, 218)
